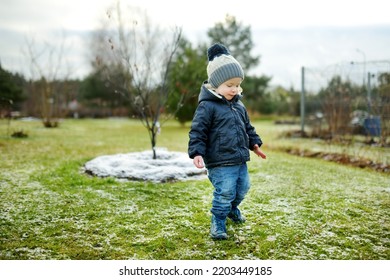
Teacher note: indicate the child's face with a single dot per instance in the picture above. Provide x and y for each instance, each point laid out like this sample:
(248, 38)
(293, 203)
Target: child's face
(230, 88)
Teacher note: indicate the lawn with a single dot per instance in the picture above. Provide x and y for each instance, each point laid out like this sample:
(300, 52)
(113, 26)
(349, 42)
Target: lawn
(298, 208)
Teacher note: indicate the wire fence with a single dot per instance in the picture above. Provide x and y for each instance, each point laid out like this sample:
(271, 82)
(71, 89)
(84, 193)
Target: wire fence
(347, 98)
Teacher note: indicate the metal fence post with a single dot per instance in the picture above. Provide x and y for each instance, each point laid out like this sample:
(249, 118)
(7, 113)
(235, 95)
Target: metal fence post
(303, 101)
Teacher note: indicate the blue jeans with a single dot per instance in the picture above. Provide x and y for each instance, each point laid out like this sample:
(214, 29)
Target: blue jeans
(231, 184)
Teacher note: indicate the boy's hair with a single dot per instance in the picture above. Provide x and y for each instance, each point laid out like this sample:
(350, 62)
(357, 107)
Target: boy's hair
(222, 65)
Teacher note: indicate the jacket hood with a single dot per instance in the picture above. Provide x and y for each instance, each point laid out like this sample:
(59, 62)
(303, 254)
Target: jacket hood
(207, 93)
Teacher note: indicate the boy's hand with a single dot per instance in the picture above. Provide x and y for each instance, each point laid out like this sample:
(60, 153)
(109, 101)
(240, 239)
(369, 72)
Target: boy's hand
(258, 152)
(198, 162)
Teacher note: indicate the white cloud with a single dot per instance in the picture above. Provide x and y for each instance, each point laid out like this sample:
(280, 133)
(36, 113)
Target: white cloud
(284, 52)
(85, 15)
(288, 34)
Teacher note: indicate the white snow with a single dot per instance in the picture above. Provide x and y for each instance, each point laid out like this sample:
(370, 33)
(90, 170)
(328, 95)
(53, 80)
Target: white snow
(140, 166)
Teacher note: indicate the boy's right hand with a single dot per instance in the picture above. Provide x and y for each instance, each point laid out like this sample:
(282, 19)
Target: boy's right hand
(198, 162)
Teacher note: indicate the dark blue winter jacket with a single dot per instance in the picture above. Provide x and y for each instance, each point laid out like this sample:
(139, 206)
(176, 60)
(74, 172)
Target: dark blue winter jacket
(221, 131)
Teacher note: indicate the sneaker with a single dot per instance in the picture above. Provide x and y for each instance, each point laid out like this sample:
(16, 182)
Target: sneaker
(218, 228)
(235, 216)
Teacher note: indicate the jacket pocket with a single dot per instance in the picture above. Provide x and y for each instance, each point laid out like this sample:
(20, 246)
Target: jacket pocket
(227, 145)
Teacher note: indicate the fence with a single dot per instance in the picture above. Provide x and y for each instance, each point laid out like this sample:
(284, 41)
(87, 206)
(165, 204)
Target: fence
(348, 97)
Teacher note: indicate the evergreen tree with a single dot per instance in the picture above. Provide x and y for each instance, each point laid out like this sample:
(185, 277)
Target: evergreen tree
(11, 87)
(186, 76)
(238, 39)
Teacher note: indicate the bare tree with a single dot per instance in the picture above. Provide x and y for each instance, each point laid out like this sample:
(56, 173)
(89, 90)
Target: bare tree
(144, 53)
(337, 106)
(381, 106)
(47, 69)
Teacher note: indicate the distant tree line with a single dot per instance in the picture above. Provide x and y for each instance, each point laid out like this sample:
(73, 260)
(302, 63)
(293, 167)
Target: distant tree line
(102, 94)
(134, 76)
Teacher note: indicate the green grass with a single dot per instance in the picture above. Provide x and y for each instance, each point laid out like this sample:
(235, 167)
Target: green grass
(297, 208)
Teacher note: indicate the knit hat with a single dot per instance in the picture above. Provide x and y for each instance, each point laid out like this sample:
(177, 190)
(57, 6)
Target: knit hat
(222, 65)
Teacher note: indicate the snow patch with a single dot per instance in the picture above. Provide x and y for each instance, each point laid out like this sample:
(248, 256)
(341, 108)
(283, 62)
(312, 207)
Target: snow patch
(140, 166)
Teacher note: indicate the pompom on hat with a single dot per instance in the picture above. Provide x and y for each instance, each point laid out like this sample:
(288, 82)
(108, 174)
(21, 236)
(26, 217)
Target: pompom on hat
(222, 65)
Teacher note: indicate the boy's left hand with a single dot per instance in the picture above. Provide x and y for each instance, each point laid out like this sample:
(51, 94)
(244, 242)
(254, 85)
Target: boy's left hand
(258, 152)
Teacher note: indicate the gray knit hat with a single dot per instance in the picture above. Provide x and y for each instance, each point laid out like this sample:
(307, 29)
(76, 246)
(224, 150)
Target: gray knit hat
(222, 66)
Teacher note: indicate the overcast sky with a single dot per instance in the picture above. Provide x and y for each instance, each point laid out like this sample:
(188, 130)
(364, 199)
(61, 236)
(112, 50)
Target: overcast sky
(288, 34)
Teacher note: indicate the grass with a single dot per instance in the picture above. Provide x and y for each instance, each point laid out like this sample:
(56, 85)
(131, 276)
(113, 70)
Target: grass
(297, 208)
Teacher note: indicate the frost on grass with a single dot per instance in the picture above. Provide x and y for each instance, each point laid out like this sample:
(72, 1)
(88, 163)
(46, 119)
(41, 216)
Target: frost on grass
(140, 166)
